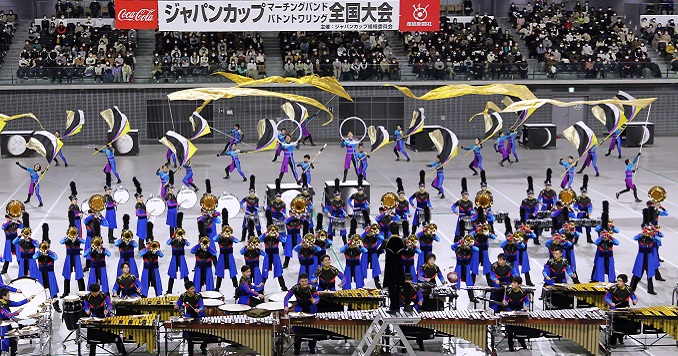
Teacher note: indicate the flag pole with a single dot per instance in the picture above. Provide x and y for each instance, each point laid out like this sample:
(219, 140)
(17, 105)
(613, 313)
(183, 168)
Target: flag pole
(642, 141)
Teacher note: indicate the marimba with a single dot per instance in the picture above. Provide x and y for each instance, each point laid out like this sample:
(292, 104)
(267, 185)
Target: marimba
(163, 306)
(142, 329)
(662, 318)
(472, 325)
(350, 324)
(355, 299)
(592, 294)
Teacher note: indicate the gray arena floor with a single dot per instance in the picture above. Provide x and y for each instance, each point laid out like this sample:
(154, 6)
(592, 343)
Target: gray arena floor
(657, 167)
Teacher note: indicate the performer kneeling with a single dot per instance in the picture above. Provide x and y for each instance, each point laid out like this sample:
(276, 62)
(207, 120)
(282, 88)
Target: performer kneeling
(307, 298)
(98, 305)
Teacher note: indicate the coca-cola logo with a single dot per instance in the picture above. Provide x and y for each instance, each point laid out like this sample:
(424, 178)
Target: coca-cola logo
(143, 15)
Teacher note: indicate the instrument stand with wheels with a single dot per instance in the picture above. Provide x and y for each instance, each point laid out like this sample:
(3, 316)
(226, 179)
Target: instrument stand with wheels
(386, 332)
(674, 295)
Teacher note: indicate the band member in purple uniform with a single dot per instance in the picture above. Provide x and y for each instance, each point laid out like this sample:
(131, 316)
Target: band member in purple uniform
(350, 145)
(111, 207)
(630, 170)
(34, 186)
(400, 143)
(477, 156)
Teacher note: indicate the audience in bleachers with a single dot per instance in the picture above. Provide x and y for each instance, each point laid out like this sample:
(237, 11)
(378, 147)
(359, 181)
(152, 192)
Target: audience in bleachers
(178, 55)
(8, 23)
(352, 55)
(63, 52)
(77, 10)
(586, 40)
(663, 39)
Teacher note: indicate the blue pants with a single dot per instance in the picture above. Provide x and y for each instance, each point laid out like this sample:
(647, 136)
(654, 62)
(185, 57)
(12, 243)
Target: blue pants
(400, 147)
(235, 165)
(513, 149)
(438, 182)
(110, 167)
(61, 155)
(34, 187)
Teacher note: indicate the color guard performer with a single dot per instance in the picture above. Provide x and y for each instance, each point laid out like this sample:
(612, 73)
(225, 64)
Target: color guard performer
(111, 207)
(237, 135)
(630, 170)
(204, 259)
(271, 241)
(515, 299)
(462, 208)
(12, 227)
(477, 156)
(46, 258)
(126, 285)
(251, 252)
(584, 208)
(225, 241)
(372, 240)
(361, 159)
(9, 344)
(188, 178)
(569, 171)
(335, 211)
(615, 142)
(98, 305)
(75, 208)
(616, 297)
(512, 142)
(141, 213)
(288, 159)
(325, 275)
(557, 269)
(97, 255)
(126, 246)
(25, 250)
(399, 143)
(233, 152)
(502, 147)
(34, 186)
(306, 165)
(591, 158)
(280, 139)
(57, 134)
(110, 166)
(250, 206)
(150, 276)
(164, 174)
(422, 205)
(466, 271)
(72, 263)
(351, 146)
(353, 272)
(247, 292)
(177, 267)
(170, 155)
(440, 177)
(305, 133)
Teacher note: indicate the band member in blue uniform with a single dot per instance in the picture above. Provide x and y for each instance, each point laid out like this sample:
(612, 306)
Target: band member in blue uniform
(126, 246)
(481, 239)
(293, 225)
(647, 260)
(237, 135)
(110, 166)
(25, 249)
(515, 250)
(97, 255)
(210, 218)
(502, 146)
(336, 212)
(477, 156)
(141, 213)
(172, 204)
(277, 208)
(306, 252)
(557, 269)
(547, 197)
(307, 300)
(9, 344)
(619, 296)
(358, 202)
(164, 174)
(628, 178)
(325, 275)
(46, 258)
(428, 271)
(361, 158)
(591, 158)
(203, 276)
(97, 304)
(426, 238)
(568, 178)
(150, 276)
(560, 215)
(272, 263)
(225, 241)
(111, 207)
(34, 186)
(515, 299)
(233, 152)
(351, 148)
(604, 259)
(306, 167)
(250, 206)
(388, 218)
(127, 285)
(177, 267)
(512, 144)
(353, 271)
(502, 274)
(653, 214)
(251, 252)
(615, 142)
(571, 235)
(247, 292)
(466, 271)
(529, 208)
(193, 307)
(93, 218)
(188, 177)
(72, 263)
(437, 183)
(584, 208)
(12, 227)
(400, 143)
(278, 148)
(422, 202)
(372, 240)
(402, 209)
(75, 208)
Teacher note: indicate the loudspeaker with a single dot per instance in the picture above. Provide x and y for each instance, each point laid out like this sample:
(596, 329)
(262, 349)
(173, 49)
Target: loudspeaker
(347, 189)
(288, 191)
(638, 133)
(127, 145)
(13, 144)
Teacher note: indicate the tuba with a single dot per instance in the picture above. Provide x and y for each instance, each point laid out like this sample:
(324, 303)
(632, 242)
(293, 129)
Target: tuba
(484, 200)
(389, 200)
(209, 202)
(154, 246)
(97, 203)
(567, 196)
(657, 194)
(15, 209)
(97, 242)
(44, 247)
(299, 205)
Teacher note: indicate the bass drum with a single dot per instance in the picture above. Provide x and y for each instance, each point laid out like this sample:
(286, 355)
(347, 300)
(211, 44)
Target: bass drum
(186, 198)
(28, 287)
(121, 195)
(230, 203)
(287, 196)
(155, 206)
(84, 207)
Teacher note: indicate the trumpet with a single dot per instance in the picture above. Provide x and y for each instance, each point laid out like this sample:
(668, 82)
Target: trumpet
(299, 205)
(321, 236)
(356, 240)
(44, 248)
(205, 243)
(154, 246)
(127, 236)
(431, 228)
(179, 233)
(309, 240)
(72, 233)
(15, 209)
(656, 193)
(468, 241)
(97, 242)
(389, 200)
(253, 243)
(411, 241)
(484, 229)
(518, 237)
(26, 232)
(374, 229)
(226, 231)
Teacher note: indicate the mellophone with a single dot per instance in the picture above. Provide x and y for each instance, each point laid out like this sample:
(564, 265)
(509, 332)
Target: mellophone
(143, 329)
(591, 293)
(663, 318)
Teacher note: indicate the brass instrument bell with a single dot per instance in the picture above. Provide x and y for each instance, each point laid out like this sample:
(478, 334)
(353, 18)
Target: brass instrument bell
(72, 232)
(205, 242)
(356, 240)
(44, 247)
(374, 228)
(432, 228)
(209, 202)
(389, 200)
(15, 209)
(485, 228)
(484, 199)
(226, 230)
(154, 246)
(299, 205)
(411, 241)
(97, 242)
(468, 240)
(26, 232)
(97, 203)
(253, 243)
(567, 196)
(309, 239)
(127, 235)
(657, 193)
(321, 235)
(179, 233)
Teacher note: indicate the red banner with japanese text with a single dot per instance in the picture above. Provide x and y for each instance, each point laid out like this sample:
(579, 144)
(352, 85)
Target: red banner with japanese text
(419, 15)
(136, 14)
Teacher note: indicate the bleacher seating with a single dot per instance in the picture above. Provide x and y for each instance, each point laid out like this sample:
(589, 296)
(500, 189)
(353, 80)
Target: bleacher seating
(8, 23)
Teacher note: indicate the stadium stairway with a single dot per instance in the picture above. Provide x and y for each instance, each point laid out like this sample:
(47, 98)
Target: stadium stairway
(274, 62)
(144, 55)
(11, 61)
(532, 63)
(400, 53)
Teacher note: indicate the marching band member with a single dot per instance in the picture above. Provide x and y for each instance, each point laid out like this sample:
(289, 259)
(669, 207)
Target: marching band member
(98, 305)
(293, 225)
(512, 142)
(233, 152)
(110, 166)
(502, 275)
(361, 158)
(547, 198)
(141, 213)
(111, 207)
(462, 208)
(481, 236)
(630, 170)
(604, 259)
(188, 178)
(307, 299)
(271, 240)
(126, 246)
(172, 204)
(502, 146)
(584, 207)
(561, 215)
(440, 177)
(177, 267)
(280, 139)
(353, 271)
(171, 155)
(618, 296)
(647, 260)
(306, 167)
(422, 205)
(515, 299)
(97, 256)
(209, 218)
(150, 276)
(252, 252)
(277, 208)
(250, 206)
(350, 145)
(653, 219)
(569, 171)
(477, 156)
(288, 159)
(325, 275)
(557, 241)
(372, 241)
(93, 222)
(556, 269)
(426, 238)
(237, 135)
(306, 251)
(225, 240)
(12, 227)
(25, 250)
(400, 143)
(402, 209)
(358, 202)
(34, 187)
(515, 251)
(591, 158)
(335, 210)
(411, 294)
(568, 232)
(247, 292)
(529, 207)
(204, 256)
(321, 241)
(46, 258)
(72, 263)
(428, 271)
(615, 142)
(387, 218)
(466, 271)
(126, 285)
(164, 174)
(75, 208)
(9, 344)
(192, 303)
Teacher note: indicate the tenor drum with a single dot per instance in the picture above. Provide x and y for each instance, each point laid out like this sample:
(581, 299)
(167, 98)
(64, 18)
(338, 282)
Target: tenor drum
(72, 311)
(468, 223)
(543, 214)
(186, 198)
(82, 294)
(212, 306)
(121, 195)
(280, 224)
(280, 297)
(212, 295)
(591, 222)
(230, 203)
(155, 206)
(234, 309)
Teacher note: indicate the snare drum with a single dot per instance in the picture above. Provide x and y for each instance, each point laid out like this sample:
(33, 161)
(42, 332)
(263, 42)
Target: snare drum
(230, 203)
(187, 198)
(121, 195)
(338, 223)
(82, 294)
(212, 306)
(234, 309)
(212, 295)
(155, 206)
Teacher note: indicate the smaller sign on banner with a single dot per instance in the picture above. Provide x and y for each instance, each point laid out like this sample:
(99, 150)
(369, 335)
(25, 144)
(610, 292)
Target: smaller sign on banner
(419, 15)
(136, 14)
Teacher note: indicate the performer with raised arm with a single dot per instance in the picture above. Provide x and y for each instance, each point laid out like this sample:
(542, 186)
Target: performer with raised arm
(512, 142)
(305, 133)
(188, 178)
(170, 155)
(349, 159)
(325, 275)
(568, 178)
(630, 170)
(422, 202)
(400, 143)
(278, 147)
(440, 177)
(127, 285)
(205, 255)
(72, 263)
(502, 147)
(177, 267)
(233, 152)
(150, 276)
(336, 211)
(164, 174)
(93, 219)
(615, 142)
(250, 206)
(97, 304)
(426, 238)
(647, 260)
(249, 293)
(288, 159)
(353, 271)
(34, 186)
(126, 246)
(618, 296)
(225, 241)
(110, 166)
(462, 208)
(516, 299)
(477, 156)
(46, 276)
(306, 165)
(237, 134)
(591, 158)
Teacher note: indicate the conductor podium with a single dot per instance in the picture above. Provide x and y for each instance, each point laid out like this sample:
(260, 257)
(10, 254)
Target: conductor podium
(347, 189)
